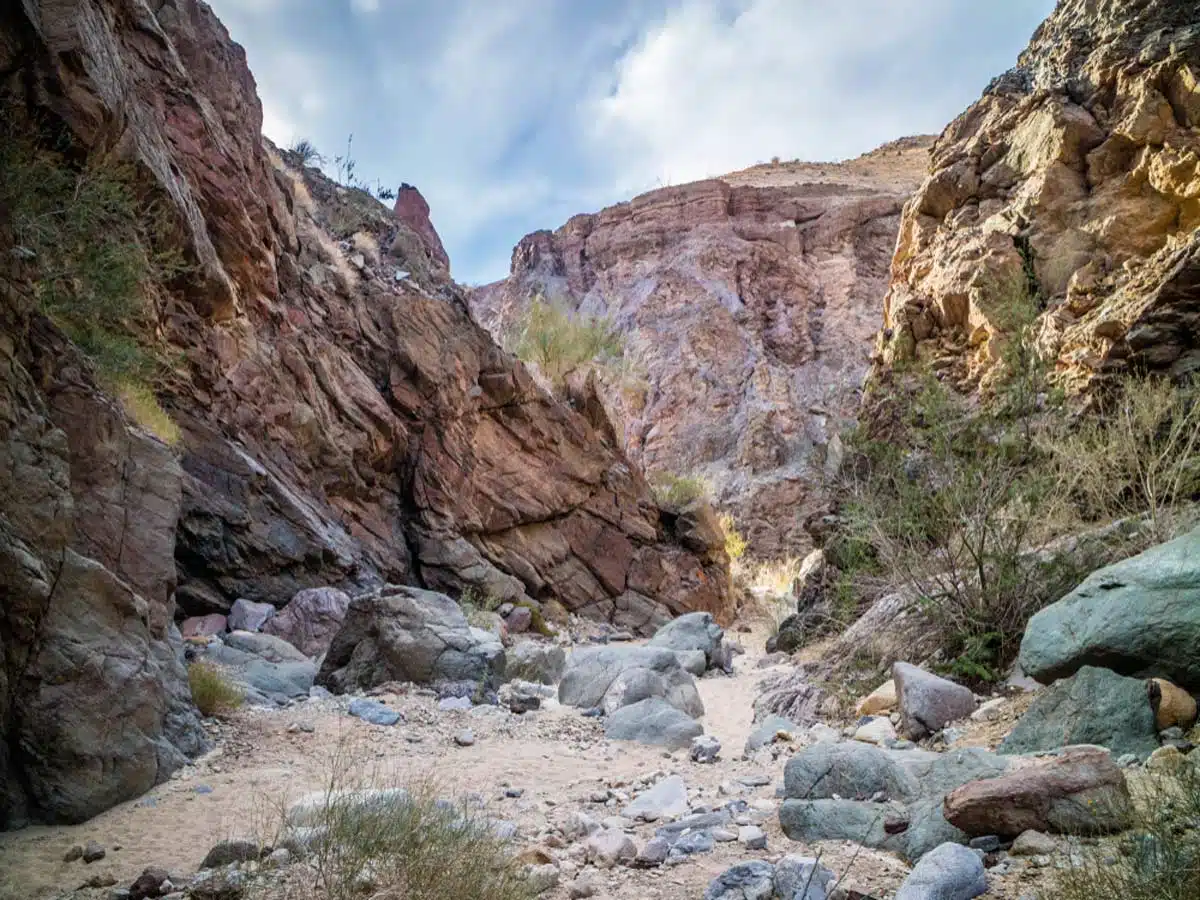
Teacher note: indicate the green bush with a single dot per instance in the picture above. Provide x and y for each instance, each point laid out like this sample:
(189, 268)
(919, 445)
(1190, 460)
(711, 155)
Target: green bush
(559, 341)
(735, 543)
(673, 491)
(213, 692)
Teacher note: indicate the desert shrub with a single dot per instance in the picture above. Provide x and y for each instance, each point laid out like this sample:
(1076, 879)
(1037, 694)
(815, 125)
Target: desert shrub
(412, 844)
(1139, 455)
(213, 691)
(307, 152)
(673, 491)
(143, 407)
(735, 543)
(93, 243)
(1159, 859)
(478, 606)
(560, 342)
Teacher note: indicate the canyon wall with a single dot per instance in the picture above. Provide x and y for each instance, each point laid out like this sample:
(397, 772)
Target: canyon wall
(747, 304)
(342, 420)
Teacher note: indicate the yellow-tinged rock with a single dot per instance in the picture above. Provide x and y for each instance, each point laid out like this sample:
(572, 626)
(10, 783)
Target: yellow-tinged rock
(880, 700)
(1172, 705)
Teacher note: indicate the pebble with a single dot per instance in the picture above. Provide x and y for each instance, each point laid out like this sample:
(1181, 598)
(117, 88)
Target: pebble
(73, 854)
(93, 852)
(465, 738)
(582, 887)
(752, 837)
(723, 835)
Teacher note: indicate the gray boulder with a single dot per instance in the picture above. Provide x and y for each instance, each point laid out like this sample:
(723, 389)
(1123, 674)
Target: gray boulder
(537, 661)
(949, 872)
(693, 662)
(802, 878)
(373, 711)
(246, 615)
(276, 683)
(666, 799)
(613, 677)
(404, 633)
(310, 620)
(696, 631)
(653, 721)
(766, 731)
(1140, 616)
(264, 646)
(746, 881)
(927, 702)
(886, 799)
(1095, 706)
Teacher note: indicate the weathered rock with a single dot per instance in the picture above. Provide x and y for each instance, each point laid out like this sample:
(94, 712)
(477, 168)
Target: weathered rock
(653, 854)
(745, 881)
(690, 633)
(607, 848)
(949, 872)
(877, 730)
(1136, 617)
(752, 837)
(373, 711)
(792, 694)
(725, 274)
(203, 626)
(1095, 706)
(667, 799)
(928, 703)
(536, 661)
(705, 749)
(149, 884)
(802, 878)
(613, 677)
(881, 700)
(1080, 792)
(1173, 706)
(408, 634)
(768, 731)
(231, 851)
(1033, 843)
(93, 852)
(246, 615)
(265, 646)
(311, 619)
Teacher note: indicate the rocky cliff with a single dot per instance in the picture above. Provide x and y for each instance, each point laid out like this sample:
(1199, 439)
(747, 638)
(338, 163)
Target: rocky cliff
(342, 420)
(1078, 171)
(748, 304)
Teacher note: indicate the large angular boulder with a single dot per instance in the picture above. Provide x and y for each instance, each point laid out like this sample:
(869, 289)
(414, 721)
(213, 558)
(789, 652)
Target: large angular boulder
(927, 702)
(885, 799)
(694, 632)
(246, 615)
(1095, 706)
(1140, 616)
(310, 620)
(949, 872)
(653, 721)
(538, 661)
(613, 677)
(1080, 792)
(402, 633)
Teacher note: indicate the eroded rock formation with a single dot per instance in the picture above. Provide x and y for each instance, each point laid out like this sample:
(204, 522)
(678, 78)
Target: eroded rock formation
(748, 305)
(1079, 168)
(344, 423)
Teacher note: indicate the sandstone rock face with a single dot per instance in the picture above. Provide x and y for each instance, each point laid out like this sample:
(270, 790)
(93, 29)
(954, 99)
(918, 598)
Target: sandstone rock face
(1081, 168)
(413, 210)
(747, 304)
(344, 423)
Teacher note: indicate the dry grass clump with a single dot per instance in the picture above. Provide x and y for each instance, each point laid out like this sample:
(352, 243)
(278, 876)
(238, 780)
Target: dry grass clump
(143, 407)
(213, 691)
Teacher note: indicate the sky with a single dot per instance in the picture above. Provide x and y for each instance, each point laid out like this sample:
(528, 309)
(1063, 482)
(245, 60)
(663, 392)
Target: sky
(514, 115)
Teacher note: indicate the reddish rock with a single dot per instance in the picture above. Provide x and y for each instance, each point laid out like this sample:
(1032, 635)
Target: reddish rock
(748, 303)
(412, 209)
(1080, 792)
(310, 620)
(203, 626)
(519, 620)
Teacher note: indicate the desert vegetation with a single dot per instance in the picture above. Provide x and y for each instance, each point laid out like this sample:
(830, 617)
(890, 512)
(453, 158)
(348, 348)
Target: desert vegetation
(213, 690)
(560, 341)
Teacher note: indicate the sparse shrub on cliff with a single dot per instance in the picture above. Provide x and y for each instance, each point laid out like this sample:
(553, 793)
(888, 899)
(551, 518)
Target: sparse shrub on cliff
(95, 252)
(559, 341)
(674, 491)
(307, 153)
(735, 544)
(213, 691)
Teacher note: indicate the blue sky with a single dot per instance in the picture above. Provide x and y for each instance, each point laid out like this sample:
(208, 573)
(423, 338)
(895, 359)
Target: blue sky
(513, 115)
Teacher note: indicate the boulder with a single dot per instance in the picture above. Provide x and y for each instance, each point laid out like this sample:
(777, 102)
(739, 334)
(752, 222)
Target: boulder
(949, 872)
(203, 626)
(768, 730)
(927, 702)
(876, 730)
(653, 721)
(246, 615)
(537, 661)
(746, 881)
(612, 677)
(1034, 843)
(886, 799)
(276, 683)
(311, 619)
(1173, 706)
(231, 851)
(1080, 792)
(693, 662)
(1138, 617)
(802, 878)
(402, 633)
(696, 631)
(666, 799)
(264, 646)
(881, 700)
(609, 847)
(1095, 706)
(792, 634)
(705, 749)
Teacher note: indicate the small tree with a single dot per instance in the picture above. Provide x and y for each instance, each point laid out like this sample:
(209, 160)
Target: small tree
(560, 342)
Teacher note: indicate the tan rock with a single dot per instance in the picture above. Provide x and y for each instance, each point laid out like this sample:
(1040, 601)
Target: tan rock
(881, 700)
(1167, 759)
(1173, 706)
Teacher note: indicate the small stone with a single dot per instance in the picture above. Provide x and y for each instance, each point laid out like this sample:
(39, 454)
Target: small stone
(753, 781)
(1033, 843)
(723, 835)
(454, 704)
(705, 749)
(654, 854)
(92, 853)
(374, 712)
(989, 711)
(100, 881)
(542, 878)
(279, 858)
(226, 852)
(465, 738)
(988, 843)
(514, 793)
(582, 887)
(752, 837)
(73, 854)
(149, 884)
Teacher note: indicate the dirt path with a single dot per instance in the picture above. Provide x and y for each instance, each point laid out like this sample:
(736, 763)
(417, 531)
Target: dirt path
(557, 757)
